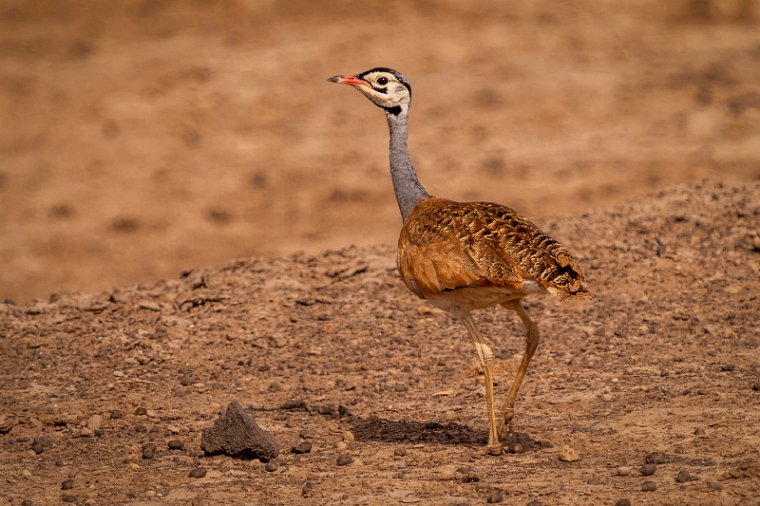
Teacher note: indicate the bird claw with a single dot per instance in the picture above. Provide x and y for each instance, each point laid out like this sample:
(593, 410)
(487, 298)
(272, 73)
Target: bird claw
(492, 450)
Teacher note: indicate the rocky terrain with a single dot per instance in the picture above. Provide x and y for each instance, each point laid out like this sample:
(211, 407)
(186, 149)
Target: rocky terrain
(650, 392)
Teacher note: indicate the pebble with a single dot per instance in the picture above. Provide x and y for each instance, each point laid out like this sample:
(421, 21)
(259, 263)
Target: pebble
(656, 458)
(399, 452)
(67, 484)
(623, 471)
(648, 469)
(307, 433)
(271, 466)
(26, 473)
(147, 454)
(535, 502)
(325, 410)
(175, 444)
(623, 502)
(648, 486)
(186, 380)
(198, 472)
(344, 460)
(27, 502)
(494, 497)
(302, 447)
(727, 367)
(37, 447)
(684, 476)
(348, 436)
(116, 414)
(141, 411)
(515, 447)
(568, 454)
(699, 431)
(714, 485)
(69, 498)
(341, 446)
(94, 422)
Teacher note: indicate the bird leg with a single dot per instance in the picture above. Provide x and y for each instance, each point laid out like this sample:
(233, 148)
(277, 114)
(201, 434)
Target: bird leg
(531, 343)
(486, 362)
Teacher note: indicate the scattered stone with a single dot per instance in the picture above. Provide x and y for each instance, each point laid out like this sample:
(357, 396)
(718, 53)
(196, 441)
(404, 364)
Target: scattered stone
(468, 475)
(302, 447)
(348, 436)
(648, 486)
(116, 414)
(656, 458)
(308, 487)
(325, 410)
(26, 474)
(648, 469)
(175, 444)
(6, 424)
(236, 433)
(623, 471)
(714, 485)
(271, 466)
(198, 472)
(727, 367)
(344, 460)
(344, 411)
(37, 447)
(141, 411)
(69, 498)
(27, 502)
(341, 446)
(494, 497)
(623, 502)
(535, 502)
(515, 447)
(94, 423)
(147, 454)
(684, 476)
(67, 484)
(568, 454)
(699, 431)
(293, 404)
(307, 433)
(399, 452)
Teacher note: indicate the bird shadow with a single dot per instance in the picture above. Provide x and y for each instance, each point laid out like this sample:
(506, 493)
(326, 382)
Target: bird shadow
(375, 428)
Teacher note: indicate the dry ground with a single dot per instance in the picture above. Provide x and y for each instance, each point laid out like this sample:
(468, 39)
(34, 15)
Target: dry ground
(143, 139)
(331, 348)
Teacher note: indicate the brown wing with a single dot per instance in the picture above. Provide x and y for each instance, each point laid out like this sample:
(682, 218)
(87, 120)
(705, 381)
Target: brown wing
(445, 245)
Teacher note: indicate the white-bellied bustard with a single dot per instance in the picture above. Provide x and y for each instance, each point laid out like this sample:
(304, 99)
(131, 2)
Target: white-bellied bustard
(462, 256)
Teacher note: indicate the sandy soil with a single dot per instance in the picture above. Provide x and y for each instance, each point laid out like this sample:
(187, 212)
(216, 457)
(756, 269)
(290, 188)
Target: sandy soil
(143, 143)
(332, 350)
(142, 138)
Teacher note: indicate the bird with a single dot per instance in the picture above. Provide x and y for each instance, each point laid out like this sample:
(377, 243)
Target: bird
(466, 256)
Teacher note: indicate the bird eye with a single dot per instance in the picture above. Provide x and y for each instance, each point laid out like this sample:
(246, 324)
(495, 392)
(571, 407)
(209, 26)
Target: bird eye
(382, 81)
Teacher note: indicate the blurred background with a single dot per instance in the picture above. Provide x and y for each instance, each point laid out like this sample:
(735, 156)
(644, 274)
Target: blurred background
(140, 138)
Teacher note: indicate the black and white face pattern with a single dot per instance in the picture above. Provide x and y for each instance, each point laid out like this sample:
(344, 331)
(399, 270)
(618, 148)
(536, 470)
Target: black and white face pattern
(387, 88)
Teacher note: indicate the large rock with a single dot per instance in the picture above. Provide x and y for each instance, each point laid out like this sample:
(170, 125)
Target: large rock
(236, 433)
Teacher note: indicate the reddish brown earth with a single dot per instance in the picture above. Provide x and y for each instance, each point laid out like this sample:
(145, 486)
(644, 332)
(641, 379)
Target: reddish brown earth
(332, 349)
(146, 139)
(141, 138)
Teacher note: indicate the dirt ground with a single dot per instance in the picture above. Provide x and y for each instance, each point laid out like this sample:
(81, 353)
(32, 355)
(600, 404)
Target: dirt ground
(144, 145)
(142, 138)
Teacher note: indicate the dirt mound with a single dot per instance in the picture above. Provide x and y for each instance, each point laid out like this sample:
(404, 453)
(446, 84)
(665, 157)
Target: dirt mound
(105, 395)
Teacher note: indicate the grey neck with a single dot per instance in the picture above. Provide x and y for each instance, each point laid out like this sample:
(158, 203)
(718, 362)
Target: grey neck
(407, 187)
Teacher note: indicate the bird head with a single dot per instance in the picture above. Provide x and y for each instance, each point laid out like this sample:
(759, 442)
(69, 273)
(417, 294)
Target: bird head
(385, 87)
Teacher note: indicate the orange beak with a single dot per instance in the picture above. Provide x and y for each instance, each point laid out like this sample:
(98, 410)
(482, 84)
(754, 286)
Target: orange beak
(350, 80)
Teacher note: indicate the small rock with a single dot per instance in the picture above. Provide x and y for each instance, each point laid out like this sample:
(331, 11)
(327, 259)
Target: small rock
(494, 497)
(325, 410)
(648, 469)
(94, 422)
(515, 447)
(623, 471)
(175, 444)
(656, 458)
(198, 472)
(150, 493)
(343, 410)
(623, 502)
(6, 423)
(648, 486)
(237, 433)
(699, 431)
(348, 436)
(271, 466)
(27, 502)
(147, 454)
(308, 487)
(535, 502)
(568, 454)
(186, 380)
(116, 414)
(37, 447)
(26, 473)
(302, 447)
(67, 484)
(714, 485)
(341, 446)
(69, 498)
(684, 476)
(399, 452)
(307, 433)
(727, 367)
(344, 460)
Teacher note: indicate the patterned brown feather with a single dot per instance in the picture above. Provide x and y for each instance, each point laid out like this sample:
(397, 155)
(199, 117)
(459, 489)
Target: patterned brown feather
(447, 245)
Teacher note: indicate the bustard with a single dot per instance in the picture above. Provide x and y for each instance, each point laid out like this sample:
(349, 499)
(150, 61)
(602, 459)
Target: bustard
(462, 256)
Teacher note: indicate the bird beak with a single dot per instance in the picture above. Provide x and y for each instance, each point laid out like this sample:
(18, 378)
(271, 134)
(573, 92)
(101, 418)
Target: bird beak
(351, 80)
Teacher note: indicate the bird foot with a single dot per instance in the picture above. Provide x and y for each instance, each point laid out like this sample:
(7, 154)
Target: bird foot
(492, 450)
(504, 426)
